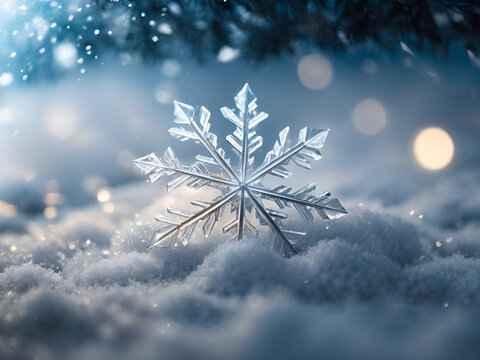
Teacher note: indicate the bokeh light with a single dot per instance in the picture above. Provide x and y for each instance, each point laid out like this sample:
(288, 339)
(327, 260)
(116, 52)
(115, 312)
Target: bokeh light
(433, 148)
(109, 207)
(6, 115)
(164, 94)
(227, 54)
(369, 66)
(369, 117)
(53, 198)
(60, 120)
(165, 29)
(7, 209)
(65, 55)
(171, 67)
(6, 78)
(315, 71)
(103, 195)
(50, 212)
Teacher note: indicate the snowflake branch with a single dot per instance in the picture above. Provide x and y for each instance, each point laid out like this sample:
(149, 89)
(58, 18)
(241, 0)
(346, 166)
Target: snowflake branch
(270, 166)
(246, 95)
(211, 149)
(273, 225)
(316, 140)
(200, 215)
(241, 216)
(293, 199)
(190, 173)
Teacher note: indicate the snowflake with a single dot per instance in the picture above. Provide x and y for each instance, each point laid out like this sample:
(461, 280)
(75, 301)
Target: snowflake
(241, 186)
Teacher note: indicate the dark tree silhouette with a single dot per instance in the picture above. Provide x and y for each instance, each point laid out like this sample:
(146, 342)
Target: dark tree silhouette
(152, 29)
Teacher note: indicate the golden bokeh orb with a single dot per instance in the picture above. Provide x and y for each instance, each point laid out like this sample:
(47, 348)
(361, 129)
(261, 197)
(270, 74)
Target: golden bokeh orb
(433, 148)
(50, 212)
(315, 71)
(103, 195)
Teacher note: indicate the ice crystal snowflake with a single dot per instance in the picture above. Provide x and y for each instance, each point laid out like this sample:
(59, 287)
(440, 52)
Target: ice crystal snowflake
(241, 185)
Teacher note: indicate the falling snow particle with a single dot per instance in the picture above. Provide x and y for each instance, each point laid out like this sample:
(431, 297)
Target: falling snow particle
(227, 54)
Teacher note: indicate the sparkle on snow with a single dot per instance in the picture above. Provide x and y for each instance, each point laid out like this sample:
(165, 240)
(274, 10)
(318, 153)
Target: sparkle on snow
(240, 186)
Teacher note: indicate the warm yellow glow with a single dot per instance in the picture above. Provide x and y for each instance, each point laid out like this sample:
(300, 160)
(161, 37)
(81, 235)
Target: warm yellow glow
(315, 71)
(7, 209)
(53, 198)
(369, 117)
(433, 148)
(103, 195)
(109, 207)
(50, 212)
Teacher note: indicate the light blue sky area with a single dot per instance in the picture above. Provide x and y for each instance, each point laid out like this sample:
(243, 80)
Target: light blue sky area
(71, 130)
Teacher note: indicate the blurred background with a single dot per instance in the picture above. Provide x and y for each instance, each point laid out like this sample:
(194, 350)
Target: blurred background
(86, 87)
(396, 126)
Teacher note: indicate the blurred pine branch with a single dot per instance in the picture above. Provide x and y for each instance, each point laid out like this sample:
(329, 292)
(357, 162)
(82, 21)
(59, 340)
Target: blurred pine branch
(258, 29)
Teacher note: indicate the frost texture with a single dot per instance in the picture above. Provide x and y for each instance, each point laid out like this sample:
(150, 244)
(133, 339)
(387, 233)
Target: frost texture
(241, 186)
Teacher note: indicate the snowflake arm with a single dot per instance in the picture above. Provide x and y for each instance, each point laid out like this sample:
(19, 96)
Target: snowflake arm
(240, 223)
(325, 207)
(244, 140)
(241, 216)
(187, 226)
(154, 167)
(186, 115)
(271, 222)
(245, 135)
(308, 147)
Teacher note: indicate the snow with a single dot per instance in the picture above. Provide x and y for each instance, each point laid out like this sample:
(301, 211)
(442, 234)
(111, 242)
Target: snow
(360, 286)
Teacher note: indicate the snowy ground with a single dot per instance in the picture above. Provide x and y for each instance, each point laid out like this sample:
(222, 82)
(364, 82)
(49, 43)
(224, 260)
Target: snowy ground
(397, 278)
